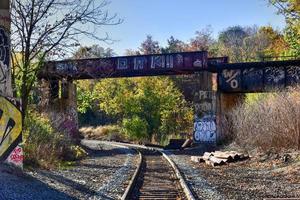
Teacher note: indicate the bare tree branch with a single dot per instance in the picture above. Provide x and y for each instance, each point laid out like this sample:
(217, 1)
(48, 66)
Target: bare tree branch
(43, 29)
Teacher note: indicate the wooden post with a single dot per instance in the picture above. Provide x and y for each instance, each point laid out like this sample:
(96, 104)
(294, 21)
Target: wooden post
(5, 68)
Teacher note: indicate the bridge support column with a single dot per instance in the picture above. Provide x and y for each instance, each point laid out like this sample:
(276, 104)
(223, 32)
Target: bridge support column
(58, 102)
(205, 108)
(226, 102)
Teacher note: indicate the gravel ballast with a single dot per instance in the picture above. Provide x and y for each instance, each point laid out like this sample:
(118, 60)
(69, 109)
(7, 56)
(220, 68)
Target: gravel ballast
(103, 175)
(250, 179)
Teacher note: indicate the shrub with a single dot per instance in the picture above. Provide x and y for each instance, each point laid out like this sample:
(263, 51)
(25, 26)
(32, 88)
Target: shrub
(270, 122)
(44, 147)
(135, 128)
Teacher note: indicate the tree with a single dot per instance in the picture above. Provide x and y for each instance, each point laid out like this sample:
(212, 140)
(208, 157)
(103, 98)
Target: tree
(131, 52)
(43, 29)
(291, 10)
(147, 108)
(150, 46)
(86, 98)
(94, 51)
(174, 45)
(231, 42)
(275, 44)
(245, 44)
(203, 41)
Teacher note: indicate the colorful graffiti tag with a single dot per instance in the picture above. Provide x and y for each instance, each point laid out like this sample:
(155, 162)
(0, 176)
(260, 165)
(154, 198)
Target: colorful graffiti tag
(205, 129)
(10, 127)
(16, 157)
(5, 72)
(258, 76)
(4, 59)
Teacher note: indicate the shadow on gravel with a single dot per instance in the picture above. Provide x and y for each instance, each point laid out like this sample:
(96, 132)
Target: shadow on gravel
(70, 183)
(98, 166)
(98, 152)
(26, 187)
(199, 150)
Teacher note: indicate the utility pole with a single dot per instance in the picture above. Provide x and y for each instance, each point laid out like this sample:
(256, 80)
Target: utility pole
(5, 61)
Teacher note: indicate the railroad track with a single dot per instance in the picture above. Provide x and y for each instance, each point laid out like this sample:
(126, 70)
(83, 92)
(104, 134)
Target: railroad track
(155, 179)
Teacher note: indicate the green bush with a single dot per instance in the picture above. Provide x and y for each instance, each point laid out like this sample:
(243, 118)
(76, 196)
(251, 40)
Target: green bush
(45, 147)
(135, 128)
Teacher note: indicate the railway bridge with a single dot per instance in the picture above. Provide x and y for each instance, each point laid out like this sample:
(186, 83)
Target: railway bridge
(220, 85)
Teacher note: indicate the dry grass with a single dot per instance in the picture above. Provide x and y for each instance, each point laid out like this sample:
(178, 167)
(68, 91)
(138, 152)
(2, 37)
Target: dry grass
(108, 132)
(272, 121)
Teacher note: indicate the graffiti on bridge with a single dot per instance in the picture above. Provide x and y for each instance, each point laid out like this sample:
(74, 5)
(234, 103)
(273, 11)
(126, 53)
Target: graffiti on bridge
(261, 79)
(126, 66)
(10, 128)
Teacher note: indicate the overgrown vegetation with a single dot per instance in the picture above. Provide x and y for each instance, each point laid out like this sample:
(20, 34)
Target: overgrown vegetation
(46, 148)
(147, 109)
(269, 121)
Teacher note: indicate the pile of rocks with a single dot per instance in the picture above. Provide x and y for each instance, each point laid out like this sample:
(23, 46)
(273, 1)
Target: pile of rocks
(219, 157)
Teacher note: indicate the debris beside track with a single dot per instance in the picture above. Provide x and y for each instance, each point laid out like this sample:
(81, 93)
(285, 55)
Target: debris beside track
(274, 175)
(219, 157)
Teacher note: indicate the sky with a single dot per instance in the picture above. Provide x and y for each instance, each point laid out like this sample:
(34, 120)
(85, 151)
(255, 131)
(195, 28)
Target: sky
(181, 19)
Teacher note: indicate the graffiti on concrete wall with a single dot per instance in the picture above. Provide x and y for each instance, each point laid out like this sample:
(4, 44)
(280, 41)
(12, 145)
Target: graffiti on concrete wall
(205, 102)
(10, 127)
(63, 113)
(205, 129)
(65, 123)
(16, 157)
(4, 59)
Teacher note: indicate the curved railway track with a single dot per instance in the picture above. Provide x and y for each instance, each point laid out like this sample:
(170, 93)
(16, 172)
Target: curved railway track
(155, 179)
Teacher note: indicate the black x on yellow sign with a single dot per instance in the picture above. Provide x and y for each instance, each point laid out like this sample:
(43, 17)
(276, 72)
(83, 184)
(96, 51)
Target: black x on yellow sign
(10, 127)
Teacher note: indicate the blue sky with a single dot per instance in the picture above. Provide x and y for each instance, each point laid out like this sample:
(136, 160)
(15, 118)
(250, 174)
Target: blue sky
(181, 19)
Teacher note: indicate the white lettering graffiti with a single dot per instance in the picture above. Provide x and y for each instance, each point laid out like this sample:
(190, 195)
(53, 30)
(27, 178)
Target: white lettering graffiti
(205, 129)
(157, 62)
(140, 63)
(231, 77)
(122, 63)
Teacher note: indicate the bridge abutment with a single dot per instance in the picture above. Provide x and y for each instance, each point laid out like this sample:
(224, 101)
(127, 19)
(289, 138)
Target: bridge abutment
(205, 108)
(58, 102)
